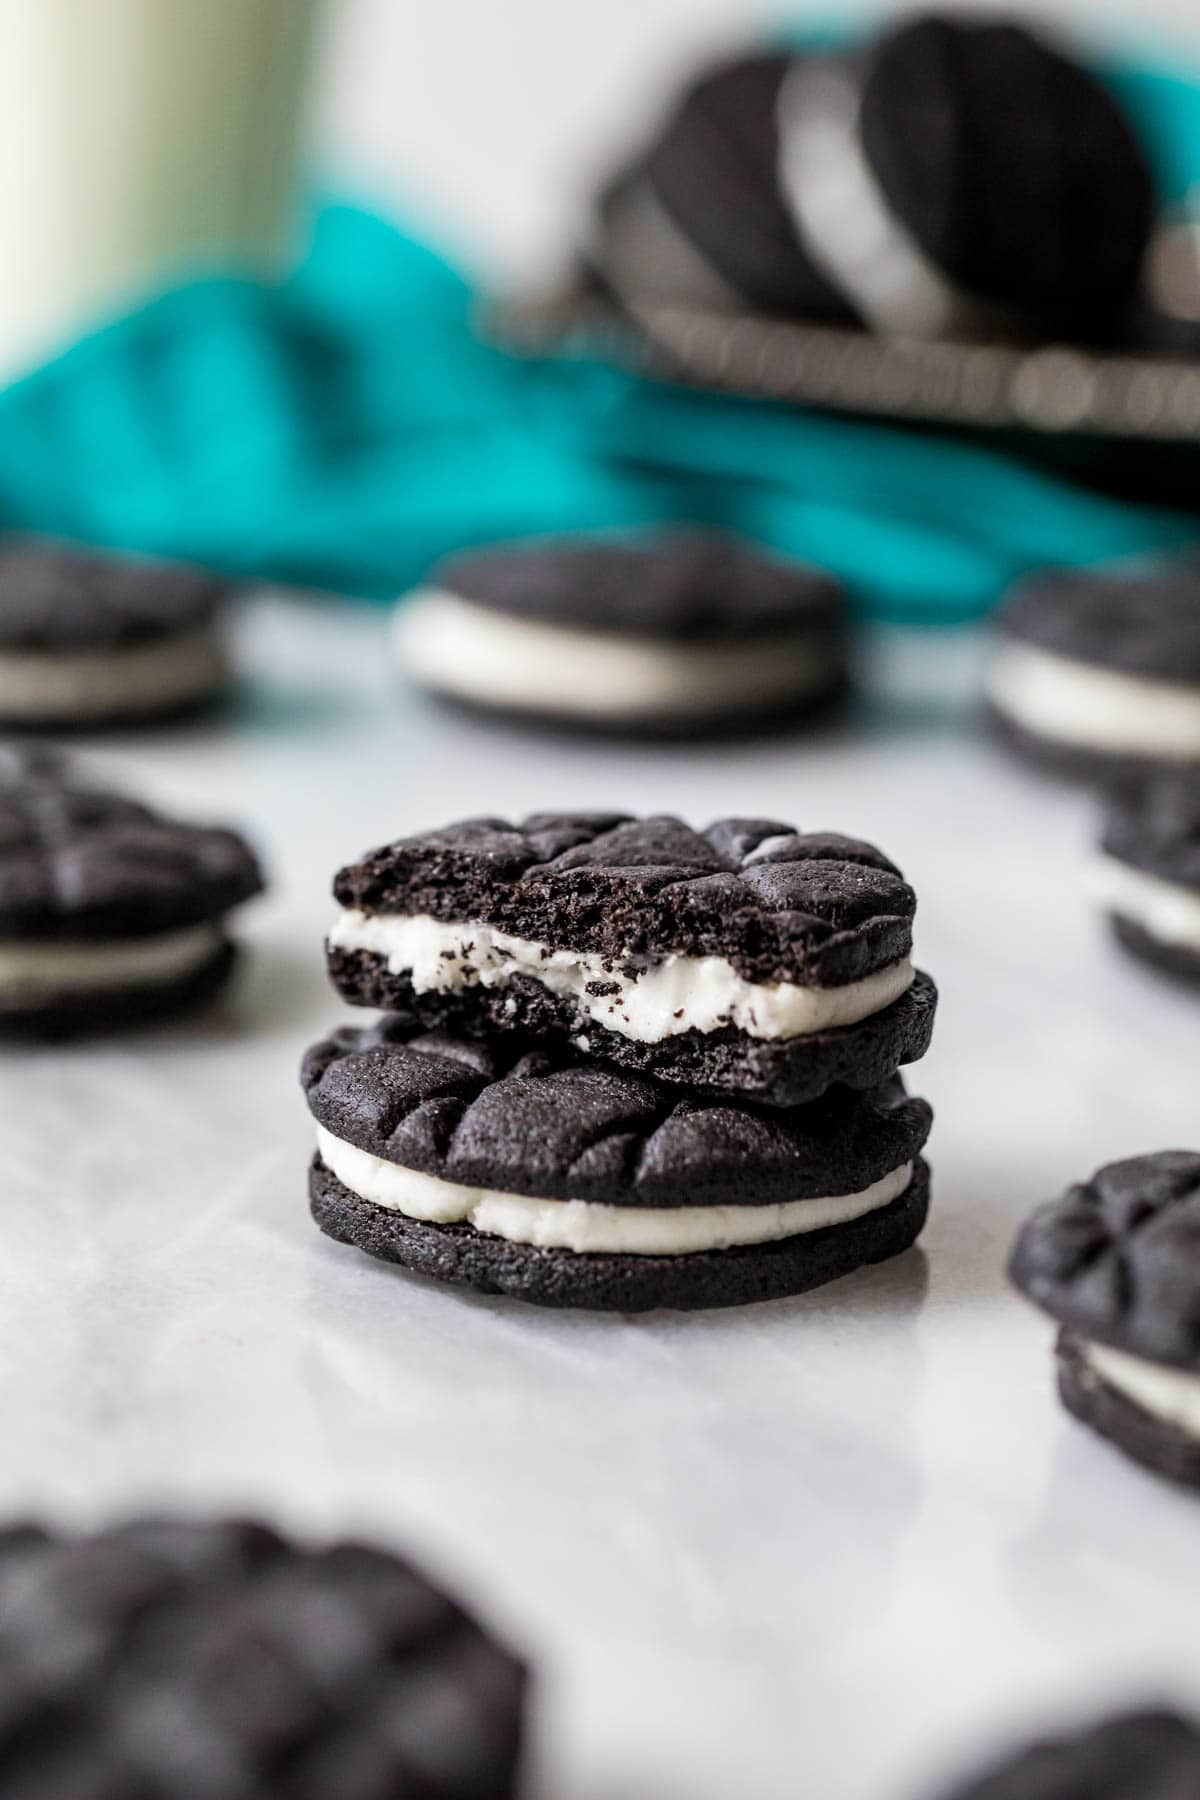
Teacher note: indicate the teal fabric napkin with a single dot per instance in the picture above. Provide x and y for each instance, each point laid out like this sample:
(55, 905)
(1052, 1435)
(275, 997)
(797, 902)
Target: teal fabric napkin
(347, 428)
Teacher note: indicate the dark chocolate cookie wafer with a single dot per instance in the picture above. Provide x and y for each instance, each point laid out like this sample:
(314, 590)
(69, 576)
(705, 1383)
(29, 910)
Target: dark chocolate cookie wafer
(1137, 1756)
(1148, 875)
(1011, 168)
(1097, 673)
(167, 1660)
(88, 637)
(747, 958)
(711, 176)
(1117, 1262)
(109, 913)
(954, 178)
(544, 1175)
(680, 631)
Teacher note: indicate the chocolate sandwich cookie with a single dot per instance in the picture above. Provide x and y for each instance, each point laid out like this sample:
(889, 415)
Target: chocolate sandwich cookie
(1097, 673)
(89, 638)
(168, 1660)
(684, 632)
(109, 913)
(953, 178)
(1117, 1262)
(550, 1177)
(1137, 1756)
(970, 178)
(701, 216)
(1148, 875)
(747, 958)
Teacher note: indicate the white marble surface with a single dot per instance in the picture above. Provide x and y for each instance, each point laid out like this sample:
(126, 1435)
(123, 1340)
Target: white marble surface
(833, 1547)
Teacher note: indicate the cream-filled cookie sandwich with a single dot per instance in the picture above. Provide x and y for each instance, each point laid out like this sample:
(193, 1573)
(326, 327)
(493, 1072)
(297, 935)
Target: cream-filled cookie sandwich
(747, 958)
(90, 638)
(109, 913)
(679, 632)
(546, 1175)
(1116, 1262)
(1096, 673)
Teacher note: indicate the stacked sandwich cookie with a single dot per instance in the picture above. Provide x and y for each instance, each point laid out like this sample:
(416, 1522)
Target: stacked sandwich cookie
(626, 1064)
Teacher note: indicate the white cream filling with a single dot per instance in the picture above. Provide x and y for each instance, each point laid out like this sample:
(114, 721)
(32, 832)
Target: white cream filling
(40, 969)
(44, 684)
(587, 1227)
(663, 1000)
(473, 653)
(1101, 709)
(1165, 911)
(1170, 1395)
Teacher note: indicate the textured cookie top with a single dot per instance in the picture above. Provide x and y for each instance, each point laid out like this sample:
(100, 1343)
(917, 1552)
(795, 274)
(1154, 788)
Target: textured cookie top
(1012, 167)
(683, 585)
(1118, 1257)
(1139, 622)
(523, 1120)
(780, 905)
(164, 1661)
(79, 862)
(1155, 825)
(713, 166)
(1139, 1756)
(55, 596)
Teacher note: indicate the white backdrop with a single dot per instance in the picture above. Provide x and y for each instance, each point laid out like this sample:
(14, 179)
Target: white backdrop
(488, 117)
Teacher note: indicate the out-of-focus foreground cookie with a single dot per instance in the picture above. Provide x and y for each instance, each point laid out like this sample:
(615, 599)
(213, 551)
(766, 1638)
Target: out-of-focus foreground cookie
(167, 1660)
(1136, 1756)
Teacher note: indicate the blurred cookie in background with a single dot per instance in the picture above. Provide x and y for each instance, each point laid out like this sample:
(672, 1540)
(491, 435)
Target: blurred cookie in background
(173, 1659)
(1135, 1756)
(687, 632)
(952, 179)
(1097, 673)
(702, 216)
(91, 638)
(1115, 1262)
(985, 181)
(110, 914)
(1147, 877)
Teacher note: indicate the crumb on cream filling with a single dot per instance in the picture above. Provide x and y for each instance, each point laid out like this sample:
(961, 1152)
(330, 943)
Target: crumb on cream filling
(1081, 704)
(1170, 1395)
(590, 1227)
(474, 653)
(1163, 909)
(671, 995)
(42, 969)
(42, 684)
